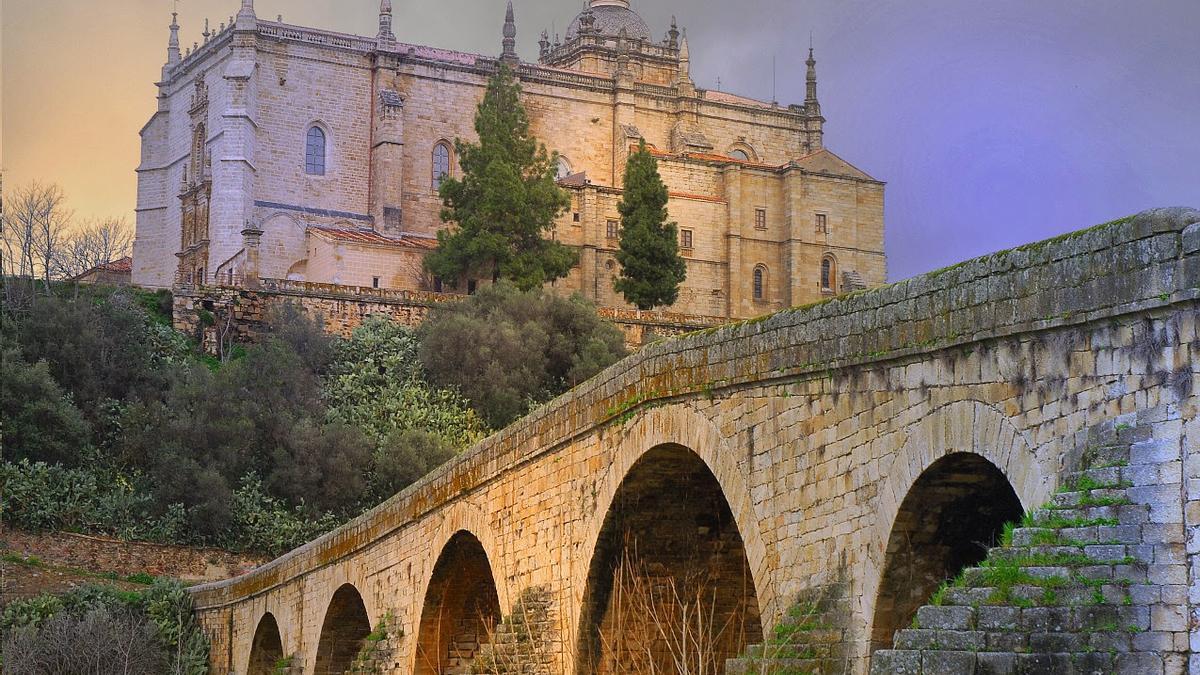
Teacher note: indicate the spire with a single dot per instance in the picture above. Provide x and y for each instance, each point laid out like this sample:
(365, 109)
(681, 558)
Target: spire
(385, 22)
(587, 19)
(207, 33)
(544, 44)
(685, 64)
(173, 42)
(810, 99)
(623, 71)
(246, 19)
(509, 55)
(673, 34)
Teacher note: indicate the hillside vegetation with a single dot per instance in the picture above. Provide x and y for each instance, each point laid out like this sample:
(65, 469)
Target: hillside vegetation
(112, 423)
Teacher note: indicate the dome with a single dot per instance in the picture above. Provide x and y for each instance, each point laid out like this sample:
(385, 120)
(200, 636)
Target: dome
(610, 17)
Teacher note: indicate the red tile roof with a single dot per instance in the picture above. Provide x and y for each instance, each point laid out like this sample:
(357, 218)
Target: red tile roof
(702, 198)
(725, 97)
(121, 266)
(362, 236)
(706, 157)
(574, 180)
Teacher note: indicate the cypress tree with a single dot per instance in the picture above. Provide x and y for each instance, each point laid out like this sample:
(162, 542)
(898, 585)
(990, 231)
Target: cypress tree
(506, 200)
(651, 267)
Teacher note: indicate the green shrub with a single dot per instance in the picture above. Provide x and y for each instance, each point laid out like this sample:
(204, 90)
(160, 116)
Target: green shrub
(269, 525)
(405, 457)
(506, 350)
(143, 578)
(37, 421)
(377, 384)
(98, 348)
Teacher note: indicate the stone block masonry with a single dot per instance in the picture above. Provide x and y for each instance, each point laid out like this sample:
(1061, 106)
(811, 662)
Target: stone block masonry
(216, 314)
(124, 558)
(968, 395)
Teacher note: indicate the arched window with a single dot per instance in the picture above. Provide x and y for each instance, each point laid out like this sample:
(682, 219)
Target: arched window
(760, 283)
(829, 274)
(564, 168)
(314, 152)
(441, 164)
(740, 155)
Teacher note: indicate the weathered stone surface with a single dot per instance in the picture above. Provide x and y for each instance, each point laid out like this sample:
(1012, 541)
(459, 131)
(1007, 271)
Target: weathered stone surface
(825, 463)
(896, 663)
(1166, 219)
(947, 618)
(995, 664)
(239, 316)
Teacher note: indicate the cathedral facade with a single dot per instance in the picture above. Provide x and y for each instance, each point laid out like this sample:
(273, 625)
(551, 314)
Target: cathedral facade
(283, 152)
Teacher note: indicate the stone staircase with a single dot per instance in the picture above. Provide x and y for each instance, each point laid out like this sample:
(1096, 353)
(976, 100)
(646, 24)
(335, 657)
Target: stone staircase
(463, 651)
(808, 640)
(1069, 589)
(522, 643)
(1088, 584)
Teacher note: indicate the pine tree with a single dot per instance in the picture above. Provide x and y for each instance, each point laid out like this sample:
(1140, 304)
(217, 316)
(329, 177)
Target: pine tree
(651, 267)
(506, 201)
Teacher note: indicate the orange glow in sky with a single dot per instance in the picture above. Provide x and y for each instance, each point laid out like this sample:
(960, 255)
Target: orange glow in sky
(78, 75)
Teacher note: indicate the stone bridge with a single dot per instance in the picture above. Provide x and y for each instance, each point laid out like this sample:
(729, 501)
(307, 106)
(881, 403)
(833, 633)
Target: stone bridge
(812, 476)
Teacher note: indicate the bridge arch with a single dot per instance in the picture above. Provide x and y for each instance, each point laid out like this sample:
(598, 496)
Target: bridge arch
(963, 471)
(266, 649)
(344, 631)
(460, 607)
(645, 543)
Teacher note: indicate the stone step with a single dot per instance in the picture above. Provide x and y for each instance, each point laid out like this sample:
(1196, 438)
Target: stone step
(1107, 455)
(911, 662)
(1124, 514)
(1075, 536)
(748, 666)
(1098, 495)
(1084, 615)
(1112, 475)
(1073, 555)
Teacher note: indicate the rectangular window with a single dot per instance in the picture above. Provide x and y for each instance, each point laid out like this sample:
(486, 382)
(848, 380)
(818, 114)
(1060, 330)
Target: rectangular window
(685, 239)
(613, 229)
(374, 282)
(576, 217)
(822, 223)
(760, 219)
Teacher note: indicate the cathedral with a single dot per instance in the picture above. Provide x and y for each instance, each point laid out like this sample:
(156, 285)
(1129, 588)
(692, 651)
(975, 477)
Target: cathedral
(291, 153)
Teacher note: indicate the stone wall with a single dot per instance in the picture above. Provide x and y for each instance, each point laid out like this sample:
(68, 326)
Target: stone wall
(237, 316)
(817, 423)
(123, 558)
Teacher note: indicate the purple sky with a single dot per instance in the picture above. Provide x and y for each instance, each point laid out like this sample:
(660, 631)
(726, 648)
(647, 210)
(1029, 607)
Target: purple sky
(993, 123)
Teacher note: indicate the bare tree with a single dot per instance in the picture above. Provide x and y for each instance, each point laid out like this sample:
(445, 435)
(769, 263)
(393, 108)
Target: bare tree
(35, 223)
(100, 641)
(96, 243)
(668, 624)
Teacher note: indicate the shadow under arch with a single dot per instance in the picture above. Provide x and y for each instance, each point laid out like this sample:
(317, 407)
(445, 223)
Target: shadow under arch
(461, 607)
(952, 514)
(343, 632)
(266, 649)
(669, 567)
